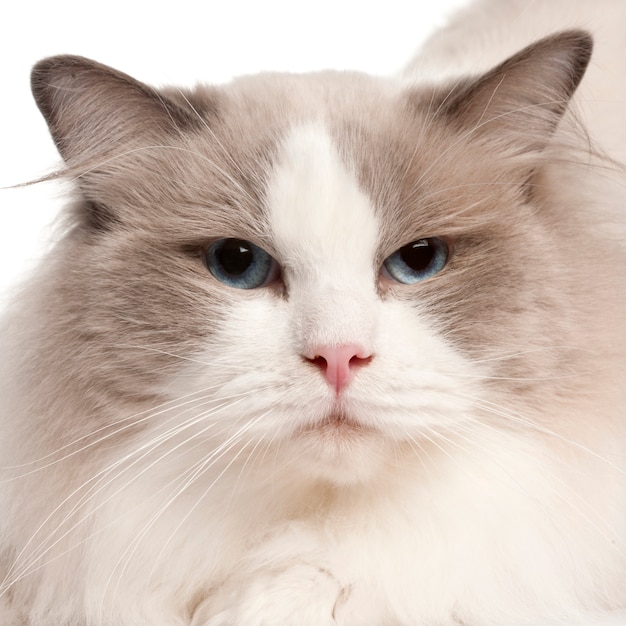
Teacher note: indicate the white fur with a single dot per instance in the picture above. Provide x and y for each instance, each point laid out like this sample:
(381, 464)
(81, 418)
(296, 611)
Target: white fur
(326, 232)
(435, 481)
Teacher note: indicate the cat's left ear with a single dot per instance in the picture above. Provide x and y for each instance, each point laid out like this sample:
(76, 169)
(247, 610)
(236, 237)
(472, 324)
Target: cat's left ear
(517, 106)
(94, 111)
(107, 126)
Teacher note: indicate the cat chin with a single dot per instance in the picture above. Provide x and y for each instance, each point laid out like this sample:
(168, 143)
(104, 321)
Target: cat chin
(339, 449)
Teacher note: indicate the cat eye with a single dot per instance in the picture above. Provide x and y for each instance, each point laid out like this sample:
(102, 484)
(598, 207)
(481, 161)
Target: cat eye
(416, 261)
(241, 264)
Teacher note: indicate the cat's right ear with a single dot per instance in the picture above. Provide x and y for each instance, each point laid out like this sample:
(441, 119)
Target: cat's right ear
(515, 108)
(94, 111)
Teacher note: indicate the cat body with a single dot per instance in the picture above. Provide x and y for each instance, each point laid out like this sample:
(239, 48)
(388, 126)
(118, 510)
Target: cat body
(352, 434)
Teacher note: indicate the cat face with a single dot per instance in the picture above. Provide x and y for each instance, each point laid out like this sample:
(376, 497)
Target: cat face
(401, 378)
(330, 270)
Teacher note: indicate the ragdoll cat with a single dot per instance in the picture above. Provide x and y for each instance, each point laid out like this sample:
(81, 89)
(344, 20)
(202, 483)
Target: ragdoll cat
(324, 349)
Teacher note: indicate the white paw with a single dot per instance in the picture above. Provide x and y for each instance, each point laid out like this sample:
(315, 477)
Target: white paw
(300, 595)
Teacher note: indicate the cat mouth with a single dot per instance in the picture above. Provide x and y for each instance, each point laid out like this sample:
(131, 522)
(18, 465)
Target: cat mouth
(338, 424)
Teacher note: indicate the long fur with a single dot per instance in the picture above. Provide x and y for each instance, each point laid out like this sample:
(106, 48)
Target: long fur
(172, 451)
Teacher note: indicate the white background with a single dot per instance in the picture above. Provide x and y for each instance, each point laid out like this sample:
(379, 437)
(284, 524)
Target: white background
(178, 42)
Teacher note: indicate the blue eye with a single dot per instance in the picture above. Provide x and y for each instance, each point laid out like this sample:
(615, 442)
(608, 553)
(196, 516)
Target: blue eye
(417, 260)
(239, 263)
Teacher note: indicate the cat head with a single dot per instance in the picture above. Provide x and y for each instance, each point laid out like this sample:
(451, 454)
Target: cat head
(332, 265)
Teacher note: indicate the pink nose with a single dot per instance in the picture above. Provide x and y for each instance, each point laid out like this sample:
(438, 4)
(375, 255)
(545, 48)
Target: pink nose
(338, 363)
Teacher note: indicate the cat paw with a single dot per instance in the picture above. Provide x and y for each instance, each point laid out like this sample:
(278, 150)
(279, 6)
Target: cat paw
(302, 595)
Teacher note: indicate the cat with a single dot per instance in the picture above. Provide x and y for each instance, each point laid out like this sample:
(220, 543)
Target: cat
(328, 348)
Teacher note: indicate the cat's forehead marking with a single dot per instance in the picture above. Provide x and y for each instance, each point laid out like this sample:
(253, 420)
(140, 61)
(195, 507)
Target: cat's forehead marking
(323, 223)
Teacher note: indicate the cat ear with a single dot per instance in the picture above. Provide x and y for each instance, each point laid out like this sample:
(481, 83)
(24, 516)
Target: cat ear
(518, 105)
(93, 110)
(105, 125)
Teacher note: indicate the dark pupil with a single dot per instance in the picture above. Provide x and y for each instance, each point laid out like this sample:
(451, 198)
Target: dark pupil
(417, 255)
(235, 256)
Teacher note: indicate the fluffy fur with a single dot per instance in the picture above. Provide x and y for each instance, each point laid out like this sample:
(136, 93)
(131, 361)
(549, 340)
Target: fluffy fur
(172, 452)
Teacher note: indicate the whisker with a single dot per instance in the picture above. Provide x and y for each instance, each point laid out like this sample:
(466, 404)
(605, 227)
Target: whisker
(145, 449)
(132, 419)
(202, 467)
(558, 486)
(495, 409)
